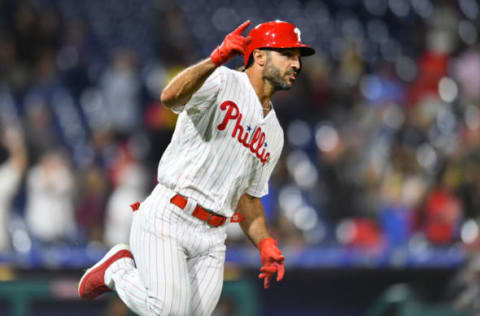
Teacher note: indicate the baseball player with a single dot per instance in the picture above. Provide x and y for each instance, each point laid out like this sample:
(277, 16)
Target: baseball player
(226, 143)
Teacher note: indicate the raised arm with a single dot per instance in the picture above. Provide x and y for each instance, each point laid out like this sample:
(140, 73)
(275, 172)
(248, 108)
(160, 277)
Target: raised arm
(179, 91)
(254, 225)
(186, 83)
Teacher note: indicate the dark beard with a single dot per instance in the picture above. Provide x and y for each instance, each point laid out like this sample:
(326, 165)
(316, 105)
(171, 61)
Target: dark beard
(273, 75)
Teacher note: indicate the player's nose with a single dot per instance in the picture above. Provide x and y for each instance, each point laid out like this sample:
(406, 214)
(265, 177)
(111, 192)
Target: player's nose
(296, 64)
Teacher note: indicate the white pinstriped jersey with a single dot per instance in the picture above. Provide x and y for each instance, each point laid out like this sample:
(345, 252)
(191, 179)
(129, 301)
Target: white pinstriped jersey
(223, 146)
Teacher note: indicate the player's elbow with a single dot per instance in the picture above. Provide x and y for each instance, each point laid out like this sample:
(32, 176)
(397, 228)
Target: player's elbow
(168, 98)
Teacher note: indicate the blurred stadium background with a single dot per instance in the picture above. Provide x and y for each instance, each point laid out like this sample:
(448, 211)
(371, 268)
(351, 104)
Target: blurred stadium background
(375, 202)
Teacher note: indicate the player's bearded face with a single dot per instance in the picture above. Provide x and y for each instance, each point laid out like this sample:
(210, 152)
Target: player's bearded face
(279, 72)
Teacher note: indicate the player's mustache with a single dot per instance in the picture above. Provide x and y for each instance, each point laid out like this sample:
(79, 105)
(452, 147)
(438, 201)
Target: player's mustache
(293, 72)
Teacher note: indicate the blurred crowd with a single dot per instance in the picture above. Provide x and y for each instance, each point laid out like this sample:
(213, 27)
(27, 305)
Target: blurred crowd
(382, 128)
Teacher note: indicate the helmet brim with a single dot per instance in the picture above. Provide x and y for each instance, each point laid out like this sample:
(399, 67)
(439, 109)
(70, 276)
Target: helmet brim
(305, 50)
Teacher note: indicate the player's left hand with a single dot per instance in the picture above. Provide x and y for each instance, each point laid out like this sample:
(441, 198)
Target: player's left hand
(272, 261)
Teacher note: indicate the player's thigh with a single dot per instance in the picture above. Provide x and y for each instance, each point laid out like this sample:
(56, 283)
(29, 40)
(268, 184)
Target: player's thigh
(206, 280)
(159, 257)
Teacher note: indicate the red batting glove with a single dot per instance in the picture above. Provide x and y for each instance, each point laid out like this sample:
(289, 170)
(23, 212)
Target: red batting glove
(233, 44)
(272, 261)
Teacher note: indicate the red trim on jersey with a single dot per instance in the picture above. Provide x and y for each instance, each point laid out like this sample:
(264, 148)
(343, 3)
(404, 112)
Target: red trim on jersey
(135, 206)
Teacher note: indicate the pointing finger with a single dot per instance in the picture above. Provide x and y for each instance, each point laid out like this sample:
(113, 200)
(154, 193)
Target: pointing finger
(280, 272)
(266, 279)
(239, 30)
(266, 283)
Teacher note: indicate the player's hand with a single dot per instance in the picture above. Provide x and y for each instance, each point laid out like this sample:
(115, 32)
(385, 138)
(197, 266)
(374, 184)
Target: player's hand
(272, 261)
(233, 44)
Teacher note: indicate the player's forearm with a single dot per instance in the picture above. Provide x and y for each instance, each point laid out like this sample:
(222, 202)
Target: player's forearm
(181, 88)
(254, 224)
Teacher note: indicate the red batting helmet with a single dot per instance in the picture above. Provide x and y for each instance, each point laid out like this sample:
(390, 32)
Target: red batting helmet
(278, 34)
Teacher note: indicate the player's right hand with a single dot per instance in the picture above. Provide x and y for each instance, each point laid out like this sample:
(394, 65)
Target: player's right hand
(233, 44)
(272, 261)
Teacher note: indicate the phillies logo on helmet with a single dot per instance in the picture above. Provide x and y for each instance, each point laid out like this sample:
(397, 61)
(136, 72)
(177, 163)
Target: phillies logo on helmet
(299, 33)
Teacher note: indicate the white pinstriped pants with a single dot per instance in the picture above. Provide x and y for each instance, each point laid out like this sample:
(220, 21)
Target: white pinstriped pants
(179, 260)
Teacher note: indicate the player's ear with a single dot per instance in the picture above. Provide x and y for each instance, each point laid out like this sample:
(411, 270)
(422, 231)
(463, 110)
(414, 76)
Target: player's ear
(259, 57)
